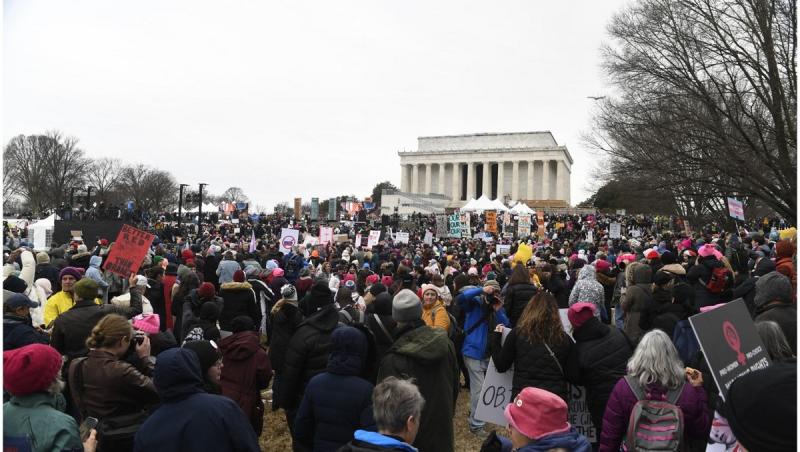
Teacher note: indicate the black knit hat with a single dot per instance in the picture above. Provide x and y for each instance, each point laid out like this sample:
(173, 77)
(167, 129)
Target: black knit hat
(321, 296)
(667, 258)
(761, 408)
(242, 323)
(206, 351)
(377, 289)
(14, 284)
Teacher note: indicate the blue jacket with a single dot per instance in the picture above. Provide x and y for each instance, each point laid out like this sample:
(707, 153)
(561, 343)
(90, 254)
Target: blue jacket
(571, 441)
(189, 418)
(382, 442)
(94, 273)
(337, 402)
(475, 345)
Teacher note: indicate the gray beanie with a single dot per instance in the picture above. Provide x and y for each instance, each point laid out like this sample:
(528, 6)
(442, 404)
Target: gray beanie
(771, 287)
(406, 306)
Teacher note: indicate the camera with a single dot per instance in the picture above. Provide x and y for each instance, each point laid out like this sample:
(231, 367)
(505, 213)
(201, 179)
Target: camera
(139, 337)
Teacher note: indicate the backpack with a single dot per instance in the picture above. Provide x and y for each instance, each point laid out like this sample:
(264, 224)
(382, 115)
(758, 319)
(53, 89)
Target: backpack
(718, 280)
(348, 319)
(654, 425)
(294, 264)
(685, 341)
(455, 333)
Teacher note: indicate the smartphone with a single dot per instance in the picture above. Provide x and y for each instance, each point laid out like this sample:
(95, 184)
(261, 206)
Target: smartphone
(86, 427)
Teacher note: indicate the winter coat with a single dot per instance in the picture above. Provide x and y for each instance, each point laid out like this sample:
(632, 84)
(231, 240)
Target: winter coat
(436, 316)
(637, 296)
(191, 310)
(238, 299)
(27, 273)
(599, 359)
(428, 356)
(307, 355)
(168, 282)
(59, 303)
(609, 282)
(50, 273)
(94, 273)
(699, 275)
(337, 402)
(245, 372)
(155, 293)
(80, 260)
(285, 321)
(692, 401)
(188, 417)
(226, 269)
(18, 332)
(210, 270)
(382, 341)
(747, 289)
(557, 286)
(571, 441)
(534, 366)
(476, 343)
(588, 290)
(112, 387)
(366, 441)
(516, 299)
(265, 299)
(785, 315)
(35, 416)
(785, 266)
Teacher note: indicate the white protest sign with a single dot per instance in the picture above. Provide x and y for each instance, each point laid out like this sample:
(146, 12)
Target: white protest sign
(736, 209)
(358, 241)
(614, 230)
(428, 240)
(374, 238)
(401, 237)
(503, 250)
(325, 235)
(289, 238)
(236, 230)
(40, 239)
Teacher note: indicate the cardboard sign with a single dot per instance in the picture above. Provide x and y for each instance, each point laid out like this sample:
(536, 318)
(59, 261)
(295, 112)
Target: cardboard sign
(730, 343)
(506, 218)
(736, 209)
(325, 235)
(491, 221)
(614, 230)
(524, 226)
(465, 228)
(128, 252)
(455, 225)
(441, 226)
(374, 238)
(620, 211)
(340, 238)
(428, 240)
(401, 237)
(289, 238)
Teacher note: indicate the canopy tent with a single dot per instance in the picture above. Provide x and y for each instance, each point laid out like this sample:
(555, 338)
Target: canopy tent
(42, 232)
(206, 208)
(499, 206)
(482, 204)
(522, 209)
(469, 206)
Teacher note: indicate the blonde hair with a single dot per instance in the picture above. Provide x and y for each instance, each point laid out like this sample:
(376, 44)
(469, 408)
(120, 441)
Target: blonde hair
(108, 331)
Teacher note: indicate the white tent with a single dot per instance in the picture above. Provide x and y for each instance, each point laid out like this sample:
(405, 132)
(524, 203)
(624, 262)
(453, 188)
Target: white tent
(469, 206)
(42, 232)
(499, 206)
(522, 209)
(483, 203)
(206, 208)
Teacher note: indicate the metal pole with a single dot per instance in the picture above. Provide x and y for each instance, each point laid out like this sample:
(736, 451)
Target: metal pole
(88, 195)
(180, 204)
(200, 209)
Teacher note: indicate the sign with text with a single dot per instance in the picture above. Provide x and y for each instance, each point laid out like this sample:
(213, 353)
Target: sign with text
(614, 230)
(441, 226)
(736, 208)
(401, 237)
(540, 224)
(455, 225)
(297, 208)
(491, 221)
(503, 250)
(374, 238)
(524, 226)
(289, 238)
(465, 228)
(730, 343)
(428, 240)
(325, 235)
(128, 251)
(358, 241)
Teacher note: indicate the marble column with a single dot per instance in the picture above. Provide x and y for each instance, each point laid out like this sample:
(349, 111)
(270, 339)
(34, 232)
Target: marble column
(415, 178)
(515, 180)
(455, 195)
(530, 180)
(470, 180)
(441, 178)
(428, 168)
(487, 179)
(404, 178)
(500, 176)
(546, 180)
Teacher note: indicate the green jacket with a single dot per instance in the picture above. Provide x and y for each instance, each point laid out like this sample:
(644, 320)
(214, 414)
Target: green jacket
(36, 417)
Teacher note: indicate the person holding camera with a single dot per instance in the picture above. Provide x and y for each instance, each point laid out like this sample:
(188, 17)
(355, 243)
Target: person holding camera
(483, 309)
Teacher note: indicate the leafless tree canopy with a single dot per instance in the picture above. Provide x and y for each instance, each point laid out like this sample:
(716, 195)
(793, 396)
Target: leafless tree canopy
(707, 101)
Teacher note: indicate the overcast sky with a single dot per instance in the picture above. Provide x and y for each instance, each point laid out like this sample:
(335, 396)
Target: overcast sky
(298, 98)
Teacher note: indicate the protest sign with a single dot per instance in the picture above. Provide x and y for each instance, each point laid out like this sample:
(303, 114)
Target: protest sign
(540, 224)
(325, 235)
(455, 225)
(506, 218)
(289, 238)
(297, 208)
(579, 415)
(524, 226)
(428, 240)
(401, 237)
(730, 343)
(736, 209)
(491, 221)
(237, 230)
(128, 251)
(465, 227)
(503, 250)
(614, 230)
(358, 241)
(340, 238)
(441, 226)
(374, 238)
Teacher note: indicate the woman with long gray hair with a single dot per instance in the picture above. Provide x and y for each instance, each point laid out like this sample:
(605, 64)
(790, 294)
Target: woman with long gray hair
(775, 341)
(656, 370)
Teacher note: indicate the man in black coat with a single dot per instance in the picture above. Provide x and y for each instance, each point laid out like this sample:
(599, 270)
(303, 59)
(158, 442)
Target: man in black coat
(18, 331)
(773, 301)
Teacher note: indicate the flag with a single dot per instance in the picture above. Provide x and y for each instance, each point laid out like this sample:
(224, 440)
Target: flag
(252, 241)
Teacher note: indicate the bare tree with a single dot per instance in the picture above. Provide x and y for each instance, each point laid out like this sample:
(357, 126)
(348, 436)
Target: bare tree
(150, 189)
(707, 104)
(233, 194)
(103, 174)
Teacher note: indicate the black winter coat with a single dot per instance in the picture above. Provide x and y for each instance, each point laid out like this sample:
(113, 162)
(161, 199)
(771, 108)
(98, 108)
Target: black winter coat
(18, 332)
(238, 299)
(747, 289)
(50, 273)
(284, 324)
(698, 276)
(785, 315)
(517, 297)
(533, 364)
(598, 361)
(155, 294)
(557, 286)
(191, 310)
(307, 355)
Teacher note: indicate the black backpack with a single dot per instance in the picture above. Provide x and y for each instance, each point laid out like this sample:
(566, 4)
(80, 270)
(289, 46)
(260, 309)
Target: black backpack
(455, 333)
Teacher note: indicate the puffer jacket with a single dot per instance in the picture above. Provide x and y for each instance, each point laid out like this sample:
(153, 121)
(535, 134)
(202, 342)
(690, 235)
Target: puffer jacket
(533, 365)
(337, 402)
(588, 290)
(245, 372)
(598, 361)
(307, 355)
(637, 296)
(516, 299)
(285, 320)
(94, 273)
(18, 332)
(238, 299)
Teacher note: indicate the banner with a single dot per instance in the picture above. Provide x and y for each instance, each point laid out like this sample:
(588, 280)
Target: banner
(491, 221)
(314, 209)
(730, 343)
(455, 225)
(340, 238)
(325, 235)
(614, 230)
(465, 228)
(524, 226)
(441, 226)
(374, 238)
(128, 252)
(736, 209)
(298, 209)
(332, 209)
(401, 237)
(289, 238)
(428, 240)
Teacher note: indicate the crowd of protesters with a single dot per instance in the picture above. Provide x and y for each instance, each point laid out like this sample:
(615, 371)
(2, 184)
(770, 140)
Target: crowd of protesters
(367, 348)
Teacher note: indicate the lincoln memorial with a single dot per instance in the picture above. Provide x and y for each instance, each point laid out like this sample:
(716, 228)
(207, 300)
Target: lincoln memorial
(525, 166)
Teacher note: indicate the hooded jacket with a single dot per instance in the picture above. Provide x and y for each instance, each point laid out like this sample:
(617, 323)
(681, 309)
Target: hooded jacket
(571, 441)
(285, 320)
(588, 290)
(189, 418)
(516, 299)
(36, 416)
(428, 356)
(337, 402)
(307, 355)
(747, 289)
(94, 273)
(238, 299)
(245, 372)
(637, 296)
(476, 343)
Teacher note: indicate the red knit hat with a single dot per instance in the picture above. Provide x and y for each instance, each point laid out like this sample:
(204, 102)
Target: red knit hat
(784, 248)
(30, 369)
(206, 290)
(651, 254)
(579, 313)
(187, 254)
(602, 265)
(238, 276)
(537, 413)
(372, 279)
(387, 280)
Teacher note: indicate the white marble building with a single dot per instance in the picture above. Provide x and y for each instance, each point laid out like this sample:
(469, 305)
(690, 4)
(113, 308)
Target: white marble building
(527, 166)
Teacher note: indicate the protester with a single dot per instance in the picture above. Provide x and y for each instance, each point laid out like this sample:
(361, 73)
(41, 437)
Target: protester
(193, 306)
(286, 317)
(238, 298)
(434, 313)
(638, 295)
(773, 301)
(227, 267)
(18, 330)
(588, 290)
(210, 364)
(519, 291)
(774, 341)
(62, 301)
(381, 323)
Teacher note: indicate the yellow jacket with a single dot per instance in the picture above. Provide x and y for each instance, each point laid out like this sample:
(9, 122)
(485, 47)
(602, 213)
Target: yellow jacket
(59, 303)
(442, 319)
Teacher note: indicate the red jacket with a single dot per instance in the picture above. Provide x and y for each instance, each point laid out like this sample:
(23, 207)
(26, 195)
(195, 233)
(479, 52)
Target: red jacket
(168, 281)
(246, 371)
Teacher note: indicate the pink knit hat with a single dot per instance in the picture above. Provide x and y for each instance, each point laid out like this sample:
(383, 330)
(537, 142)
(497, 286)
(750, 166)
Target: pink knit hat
(427, 287)
(277, 273)
(709, 249)
(537, 413)
(149, 323)
(387, 280)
